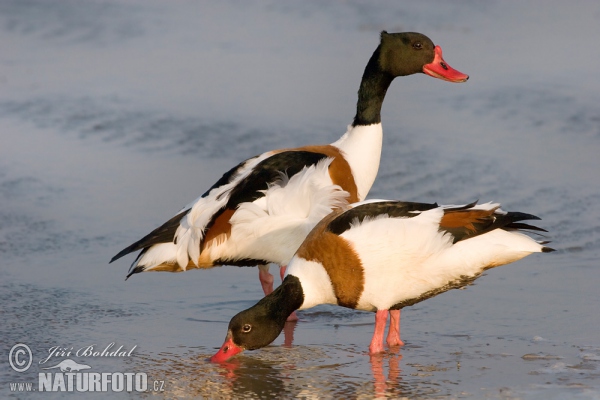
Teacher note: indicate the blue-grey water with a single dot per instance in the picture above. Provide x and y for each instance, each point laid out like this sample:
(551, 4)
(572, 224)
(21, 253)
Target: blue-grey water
(115, 114)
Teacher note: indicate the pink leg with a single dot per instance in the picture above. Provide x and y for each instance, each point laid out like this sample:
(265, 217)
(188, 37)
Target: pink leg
(266, 279)
(393, 337)
(293, 316)
(376, 345)
(282, 269)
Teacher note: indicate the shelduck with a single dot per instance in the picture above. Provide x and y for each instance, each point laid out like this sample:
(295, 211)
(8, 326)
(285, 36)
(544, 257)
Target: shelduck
(385, 255)
(261, 210)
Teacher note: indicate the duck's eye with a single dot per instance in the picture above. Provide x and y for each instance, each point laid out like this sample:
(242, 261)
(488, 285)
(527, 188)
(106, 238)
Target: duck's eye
(417, 46)
(246, 328)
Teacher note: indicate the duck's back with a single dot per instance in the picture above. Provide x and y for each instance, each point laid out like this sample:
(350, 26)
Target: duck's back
(387, 254)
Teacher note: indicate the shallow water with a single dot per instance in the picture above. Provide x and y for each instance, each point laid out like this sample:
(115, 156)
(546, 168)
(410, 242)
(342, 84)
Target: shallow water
(113, 115)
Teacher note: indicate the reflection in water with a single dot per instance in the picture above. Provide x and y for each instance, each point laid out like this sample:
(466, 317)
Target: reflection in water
(285, 372)
(254, 378)
(288, 333)
(251, 376)
(191, 375)
(382, 385)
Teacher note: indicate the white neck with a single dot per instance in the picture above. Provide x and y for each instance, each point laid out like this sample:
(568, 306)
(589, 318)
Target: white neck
(361, 146)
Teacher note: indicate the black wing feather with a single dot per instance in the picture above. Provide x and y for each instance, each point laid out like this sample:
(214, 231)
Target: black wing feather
(522, 226)
(507, 221)
(267, 171)
(163, 234)
(394, 209)
(226, 178)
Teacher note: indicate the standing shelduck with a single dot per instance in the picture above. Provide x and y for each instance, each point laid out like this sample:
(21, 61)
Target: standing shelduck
(261, 210)
(385, 255)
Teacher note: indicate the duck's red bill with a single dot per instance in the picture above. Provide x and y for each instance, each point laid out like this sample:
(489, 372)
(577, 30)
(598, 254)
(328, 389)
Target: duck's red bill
(228, 350)
(441, 70)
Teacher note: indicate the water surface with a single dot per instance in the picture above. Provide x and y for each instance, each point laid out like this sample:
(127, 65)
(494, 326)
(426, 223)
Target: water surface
(113, 115)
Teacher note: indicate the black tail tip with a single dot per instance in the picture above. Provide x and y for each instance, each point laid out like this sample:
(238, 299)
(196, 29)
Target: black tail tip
(547, 249)
(135, 270)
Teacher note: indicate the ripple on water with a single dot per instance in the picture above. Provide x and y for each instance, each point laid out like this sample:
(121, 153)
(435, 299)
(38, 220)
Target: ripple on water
(115, 120)
(95, 23)
(335, 371)
(47, 317)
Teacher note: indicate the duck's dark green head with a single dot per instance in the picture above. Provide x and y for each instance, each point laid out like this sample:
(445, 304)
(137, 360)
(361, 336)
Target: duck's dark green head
(249, 330)
(407, 53)
(260, 325)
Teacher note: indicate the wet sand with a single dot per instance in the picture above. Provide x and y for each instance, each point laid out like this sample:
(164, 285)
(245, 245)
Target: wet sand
(114, 115)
